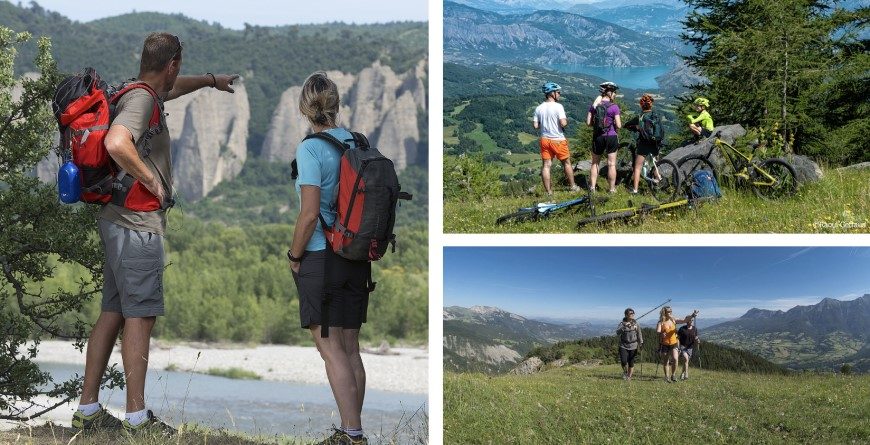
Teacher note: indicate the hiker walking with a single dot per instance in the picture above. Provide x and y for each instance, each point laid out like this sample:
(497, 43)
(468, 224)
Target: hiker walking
(550, 119)
(630, 342)
(648, 125)
(668, 342)
(603, 117)
(133, 240)
(688, 336)
(333, 291)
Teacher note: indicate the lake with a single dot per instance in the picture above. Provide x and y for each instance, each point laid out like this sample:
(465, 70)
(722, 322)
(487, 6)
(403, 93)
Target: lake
(256, 406)
(637, 78)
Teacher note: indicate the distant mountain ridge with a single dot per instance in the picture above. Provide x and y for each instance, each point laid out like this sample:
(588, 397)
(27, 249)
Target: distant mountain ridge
(490, 339)
(473, 36)
(820, 336)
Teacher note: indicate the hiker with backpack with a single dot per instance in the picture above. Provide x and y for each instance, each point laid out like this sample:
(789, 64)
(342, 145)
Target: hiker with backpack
(603, 117)
(650, 134)
(135, 188)
(668, 341)
(688, 336)
(348, 193)
(704, 130)
(630, 342)
(550, 119)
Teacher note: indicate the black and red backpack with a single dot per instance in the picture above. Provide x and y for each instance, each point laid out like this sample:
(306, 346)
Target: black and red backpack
(368, 192)
(84, 106)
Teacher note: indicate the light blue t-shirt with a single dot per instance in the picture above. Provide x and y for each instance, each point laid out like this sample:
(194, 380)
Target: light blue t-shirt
(317, 162)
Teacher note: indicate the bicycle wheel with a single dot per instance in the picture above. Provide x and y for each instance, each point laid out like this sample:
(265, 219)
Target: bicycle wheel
(522, 215)
(606, 217)
(785, 180)
(668, 187)
(692, 163)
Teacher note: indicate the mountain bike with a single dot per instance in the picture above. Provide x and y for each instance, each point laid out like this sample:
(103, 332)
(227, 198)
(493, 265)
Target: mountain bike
(769, 178)
(663, 187)
(546, 209)
(641, 210)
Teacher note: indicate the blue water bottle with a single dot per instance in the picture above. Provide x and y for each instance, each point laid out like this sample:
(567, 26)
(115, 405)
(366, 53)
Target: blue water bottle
(69, 184)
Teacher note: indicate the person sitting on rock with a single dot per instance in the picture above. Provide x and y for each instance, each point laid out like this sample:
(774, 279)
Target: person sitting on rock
(704, 130)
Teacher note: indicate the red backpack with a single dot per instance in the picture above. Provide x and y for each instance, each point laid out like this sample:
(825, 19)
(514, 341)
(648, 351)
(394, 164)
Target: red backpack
(84, 107)
(368, 191)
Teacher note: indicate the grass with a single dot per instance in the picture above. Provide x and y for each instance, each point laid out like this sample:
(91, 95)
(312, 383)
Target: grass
(594, 405)
(233, 373)
(188, 434)
(836, 204)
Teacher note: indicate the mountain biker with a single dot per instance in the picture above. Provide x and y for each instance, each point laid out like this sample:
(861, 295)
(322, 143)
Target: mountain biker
(630, 342)
(688, 336)
(644, 147)
(550, 119)
(604, 140)
(704, 130)
(668, 342)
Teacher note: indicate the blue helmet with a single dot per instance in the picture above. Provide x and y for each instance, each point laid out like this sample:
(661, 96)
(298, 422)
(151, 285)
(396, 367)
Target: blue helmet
(549, 87)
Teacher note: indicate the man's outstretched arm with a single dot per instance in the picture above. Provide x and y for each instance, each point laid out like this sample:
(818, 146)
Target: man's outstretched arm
(189, 84)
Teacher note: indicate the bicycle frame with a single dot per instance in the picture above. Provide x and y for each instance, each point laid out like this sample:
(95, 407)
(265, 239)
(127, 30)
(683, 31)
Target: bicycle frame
(546, 208)
(741, 163)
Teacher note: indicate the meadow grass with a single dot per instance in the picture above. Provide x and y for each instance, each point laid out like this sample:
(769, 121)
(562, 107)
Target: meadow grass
(188, 434)
(839, 203)
(594, 405)
(233, 373)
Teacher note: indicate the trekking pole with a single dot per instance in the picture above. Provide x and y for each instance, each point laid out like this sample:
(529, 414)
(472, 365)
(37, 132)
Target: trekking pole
(648, 312)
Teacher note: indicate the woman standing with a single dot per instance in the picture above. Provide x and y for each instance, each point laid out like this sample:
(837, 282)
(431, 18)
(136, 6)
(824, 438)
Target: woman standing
(668, 342)
(603, 117)
(333, 292)
(644, 147)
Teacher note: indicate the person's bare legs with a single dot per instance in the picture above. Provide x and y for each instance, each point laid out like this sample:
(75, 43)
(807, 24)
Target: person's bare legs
(695, 129)
(593, 171)
(611, 170)
(100, 344)
(674, 359)
(546, 164)
(638, 164)
(134, 353)
(686, 365)
(351, 348)
(339, 372)
(569, 171)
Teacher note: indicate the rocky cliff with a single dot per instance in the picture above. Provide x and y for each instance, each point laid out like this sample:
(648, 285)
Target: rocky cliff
(376, 101)
(209, 131)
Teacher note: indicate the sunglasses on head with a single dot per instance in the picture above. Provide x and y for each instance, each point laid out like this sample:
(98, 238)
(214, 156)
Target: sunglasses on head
(179, 46)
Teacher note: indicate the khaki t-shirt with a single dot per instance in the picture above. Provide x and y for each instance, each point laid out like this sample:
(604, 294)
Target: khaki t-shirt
(134, 112)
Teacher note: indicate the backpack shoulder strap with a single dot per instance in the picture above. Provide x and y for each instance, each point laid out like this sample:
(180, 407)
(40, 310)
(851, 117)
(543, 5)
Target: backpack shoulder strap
(155, 113)
(322, 135)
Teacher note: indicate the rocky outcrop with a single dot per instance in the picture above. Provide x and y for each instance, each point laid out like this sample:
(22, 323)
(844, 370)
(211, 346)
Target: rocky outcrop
(209, 131)
(806, 170)
(530, 365)
(728, 133)
(859, 166)
(376, 101)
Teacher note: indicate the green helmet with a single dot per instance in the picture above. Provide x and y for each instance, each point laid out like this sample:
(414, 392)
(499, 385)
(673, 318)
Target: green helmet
(703, 102)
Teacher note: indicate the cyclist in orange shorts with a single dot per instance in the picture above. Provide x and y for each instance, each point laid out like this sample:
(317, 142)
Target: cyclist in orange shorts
(668, 341)
(550, 119)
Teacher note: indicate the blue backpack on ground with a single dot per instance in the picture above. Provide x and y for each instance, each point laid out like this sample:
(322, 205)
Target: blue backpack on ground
(704, 185)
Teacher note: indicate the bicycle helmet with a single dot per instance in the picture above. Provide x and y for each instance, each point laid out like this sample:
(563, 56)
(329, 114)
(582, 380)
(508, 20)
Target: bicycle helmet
(549, 87)
(608, 86)
(703, 102)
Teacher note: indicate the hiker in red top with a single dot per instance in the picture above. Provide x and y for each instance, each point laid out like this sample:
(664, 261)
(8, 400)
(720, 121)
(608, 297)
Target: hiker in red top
(133, 240)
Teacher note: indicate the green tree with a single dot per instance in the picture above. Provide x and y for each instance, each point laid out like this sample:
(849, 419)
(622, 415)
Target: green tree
(38, 233)
(765, 59)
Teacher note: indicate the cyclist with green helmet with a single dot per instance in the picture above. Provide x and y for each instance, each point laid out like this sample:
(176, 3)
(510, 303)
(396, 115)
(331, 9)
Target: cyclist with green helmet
(706, 128)
(550, 119)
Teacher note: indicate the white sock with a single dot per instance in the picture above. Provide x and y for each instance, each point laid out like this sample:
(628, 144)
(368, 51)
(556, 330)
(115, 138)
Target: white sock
(90, 409)
(353, 432)
(137, 417)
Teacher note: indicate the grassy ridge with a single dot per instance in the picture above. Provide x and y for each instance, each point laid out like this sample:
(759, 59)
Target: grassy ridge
(840, 197)
(594, 405)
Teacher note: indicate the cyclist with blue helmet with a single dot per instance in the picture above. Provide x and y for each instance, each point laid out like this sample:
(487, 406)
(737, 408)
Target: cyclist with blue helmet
(550, 119)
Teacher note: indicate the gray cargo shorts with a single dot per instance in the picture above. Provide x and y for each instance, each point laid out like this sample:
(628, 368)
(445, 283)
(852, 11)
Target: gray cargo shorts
(133, 273)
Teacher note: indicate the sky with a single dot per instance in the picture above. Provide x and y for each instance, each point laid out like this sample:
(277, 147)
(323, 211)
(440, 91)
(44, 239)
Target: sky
(233, 14)
(598, 283)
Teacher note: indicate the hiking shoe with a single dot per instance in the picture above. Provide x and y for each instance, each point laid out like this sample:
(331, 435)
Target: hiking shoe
(153, 425)
(575, 188)
(100, 420)
(339, 437)
(633, 192)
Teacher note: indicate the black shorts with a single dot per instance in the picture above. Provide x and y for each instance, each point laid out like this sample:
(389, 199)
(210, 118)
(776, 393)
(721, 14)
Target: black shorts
(333, 291)
(647, 150)
(605, 144)
(705, 133)
(626, 356)
(664, 349)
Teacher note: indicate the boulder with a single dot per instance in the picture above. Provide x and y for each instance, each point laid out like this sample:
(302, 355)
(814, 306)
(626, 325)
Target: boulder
(729, 134)
(530, 365)
(806, 170)
(859, 166)
(559, 363)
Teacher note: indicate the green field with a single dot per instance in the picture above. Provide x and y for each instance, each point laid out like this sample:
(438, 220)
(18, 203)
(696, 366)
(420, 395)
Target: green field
(837, 204)
(594, 405)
